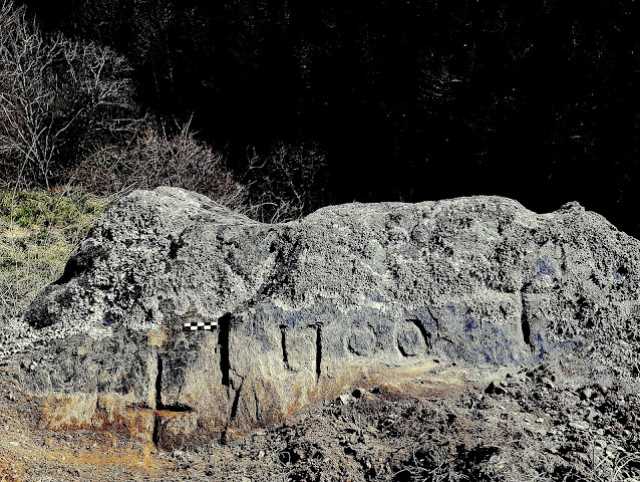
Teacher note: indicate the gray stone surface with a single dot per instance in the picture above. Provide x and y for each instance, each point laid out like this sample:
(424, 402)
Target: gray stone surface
(308, 308)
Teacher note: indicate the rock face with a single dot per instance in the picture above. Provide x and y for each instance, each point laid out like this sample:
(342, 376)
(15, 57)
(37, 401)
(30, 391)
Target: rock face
(307, 309)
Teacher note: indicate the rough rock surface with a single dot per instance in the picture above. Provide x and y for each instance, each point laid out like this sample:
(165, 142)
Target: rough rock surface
(307, 309)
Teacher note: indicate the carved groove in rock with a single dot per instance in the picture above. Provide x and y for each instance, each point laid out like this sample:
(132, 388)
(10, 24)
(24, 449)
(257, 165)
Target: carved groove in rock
(524, 321)
(311, 308)
(224, 327)
(285, 353)
(318, 329)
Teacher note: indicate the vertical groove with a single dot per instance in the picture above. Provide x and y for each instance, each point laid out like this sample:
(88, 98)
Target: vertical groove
(257, 402)
(318, 352)
(224, 327)
(224, 330)
(236, 402)
(155, 436)
(283, 342)
(158, 392)
(524, 323)
(156, 431)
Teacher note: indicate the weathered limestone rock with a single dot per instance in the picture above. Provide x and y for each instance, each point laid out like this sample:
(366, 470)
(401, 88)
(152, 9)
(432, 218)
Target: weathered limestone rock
(309, 308)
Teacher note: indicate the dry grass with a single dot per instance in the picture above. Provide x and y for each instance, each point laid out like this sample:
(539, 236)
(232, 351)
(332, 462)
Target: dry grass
(623, 468)
(38, 232)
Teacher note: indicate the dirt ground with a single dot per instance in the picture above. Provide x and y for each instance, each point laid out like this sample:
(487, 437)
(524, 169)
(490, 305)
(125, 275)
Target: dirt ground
(450, 423)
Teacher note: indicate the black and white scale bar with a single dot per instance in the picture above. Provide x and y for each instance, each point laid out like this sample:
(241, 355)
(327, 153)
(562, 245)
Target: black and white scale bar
(200, 326)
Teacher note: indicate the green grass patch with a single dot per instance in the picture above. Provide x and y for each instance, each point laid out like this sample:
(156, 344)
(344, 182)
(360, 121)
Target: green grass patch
(42, 209)
(38, 232)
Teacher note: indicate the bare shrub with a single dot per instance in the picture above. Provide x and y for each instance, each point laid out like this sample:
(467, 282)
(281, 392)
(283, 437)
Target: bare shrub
(623, 468)
(67, 117)
(58, 99)
(154, 158)
(286, 183)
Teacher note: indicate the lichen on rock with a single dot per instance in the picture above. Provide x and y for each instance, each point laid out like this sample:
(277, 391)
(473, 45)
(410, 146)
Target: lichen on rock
(308, 308)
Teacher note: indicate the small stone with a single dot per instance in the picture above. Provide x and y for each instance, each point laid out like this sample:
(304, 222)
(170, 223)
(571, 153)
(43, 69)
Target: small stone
(579, 425)
(547, 383)
(612, 450)
(540, 420)
(261, 454)
(586, 394)
(494, 389)
(592, 415)
(357, 393)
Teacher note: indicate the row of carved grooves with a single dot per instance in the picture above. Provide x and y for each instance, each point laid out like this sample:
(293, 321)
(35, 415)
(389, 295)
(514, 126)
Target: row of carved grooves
(318, 352)
(224, 329)
(283, 341)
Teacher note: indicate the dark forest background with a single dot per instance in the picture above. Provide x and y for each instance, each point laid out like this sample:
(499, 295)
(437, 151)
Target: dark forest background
(409, 100)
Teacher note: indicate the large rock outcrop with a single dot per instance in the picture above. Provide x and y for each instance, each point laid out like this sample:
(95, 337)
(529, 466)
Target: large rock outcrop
(306, 309)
